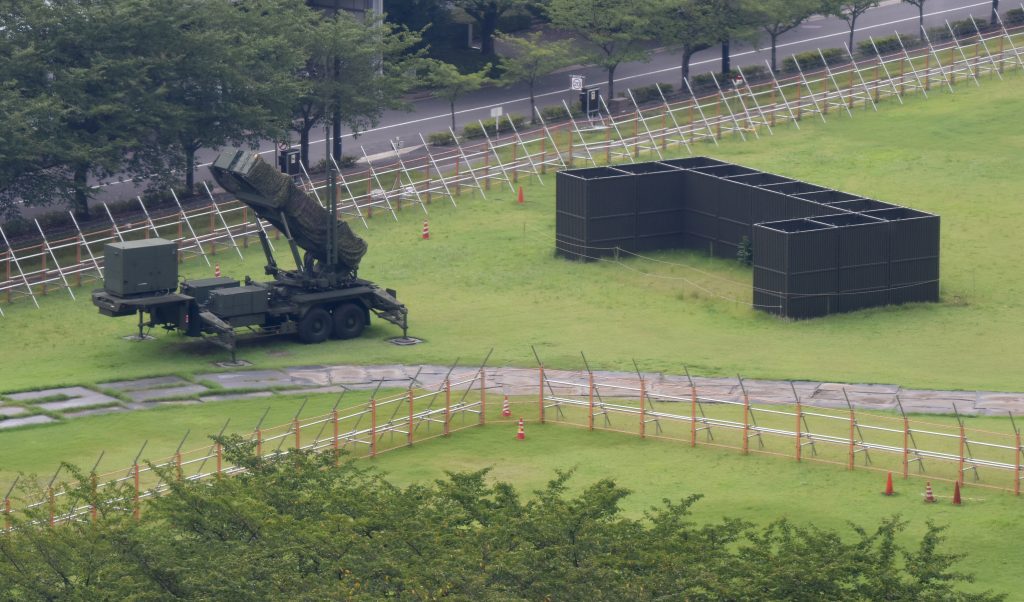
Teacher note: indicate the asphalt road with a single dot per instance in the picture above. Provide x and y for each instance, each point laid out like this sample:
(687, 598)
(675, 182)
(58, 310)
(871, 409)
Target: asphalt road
(432, 114)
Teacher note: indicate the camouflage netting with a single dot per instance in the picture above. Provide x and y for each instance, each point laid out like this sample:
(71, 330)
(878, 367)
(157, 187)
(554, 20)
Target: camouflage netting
(268, 191)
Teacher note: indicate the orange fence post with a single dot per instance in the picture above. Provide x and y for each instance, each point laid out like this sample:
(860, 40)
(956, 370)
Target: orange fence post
(7, 278)
(952, 67)
(515, 163)
(1002, 57)
(906, 447)
(78, 261)
(373, 427)
(774, 105)
(608, 146)
(220, 459)
(569, 162)
(177, 465)
(643, 410)
(543, 155)
(245, 226)
(487, 171)
(42, 250)
(259, 443)
(664, 129)
(636, 134)
(799, 104)
(927, 72)
(458, 185)
(746, 424)
(52, 503)
(426, 171)
(824, 104)
(409, 435)
(7, 513)
(853, 426)
(902, 74)
(590, 394)
(137, 509)
(853, 67)
(447, 406)
(298, 433)
(93, 512)
(540, 397)
(1016, 472)
(693, 415)
(799, 425)
(483, 396)
(960, 465)
(718, 118)
(334, 437)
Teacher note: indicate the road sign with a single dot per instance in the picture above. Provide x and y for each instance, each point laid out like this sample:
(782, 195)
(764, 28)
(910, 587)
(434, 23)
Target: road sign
(576, 82)
(496, 112)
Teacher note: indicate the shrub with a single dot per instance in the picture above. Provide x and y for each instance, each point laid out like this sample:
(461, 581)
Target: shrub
(704, 80)
(346, 161)
(753, 73)
(441, 139)
(938, 34)
(1014, 17)
(745, 251)
(513, 22)
(887, 45)
(964, 28)
(811, 60)
(473, 130)
(554, 113)
(649, 93)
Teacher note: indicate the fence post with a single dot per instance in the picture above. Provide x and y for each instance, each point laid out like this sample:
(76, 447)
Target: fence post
(42, 252)
(636, 133)
(373, 427)
(515, 163)
(7, 278)
(824, 104)
(570, 148)
(643, 410)
(902, 74)
(1016, 472)
(718, 118)
(334, 437)
(447, 405)
(853, 426)
(93, 511)
(177, 465)
(543, 155)
(746, 424)
(458, 184)
(590, 395)
(693, 415)
(906, 447)
(483, 396)
(799, 104)
(7, 513)
(960, 465)
(220, 459)
(877, 86)
(608, 146)
(775, 104)
(259, 443)
(540, 397)
(245, 226)
(927, 72)
(799, 437)
(78, 261)
(426, 170)
(298, 433)
(1002, 57)
(977, 70)
(409, 435)
(664, 129)
(952, 67)
(137, 509)
(51, 502)
(853, 67)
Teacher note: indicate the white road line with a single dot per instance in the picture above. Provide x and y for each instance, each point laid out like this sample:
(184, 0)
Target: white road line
(622, 79)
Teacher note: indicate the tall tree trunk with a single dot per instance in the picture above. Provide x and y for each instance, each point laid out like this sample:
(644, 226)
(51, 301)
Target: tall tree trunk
(336, 132)
(488, 25)
(725, 60)
(853, 28)
(920, 21)
(775, 39)
(533, 106)
(994, 20)
(611, 82)
(81, 201)
(304, 142)
(687, 55)
(451, 103)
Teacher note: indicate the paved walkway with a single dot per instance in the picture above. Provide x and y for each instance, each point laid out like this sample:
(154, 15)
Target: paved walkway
(68, 403)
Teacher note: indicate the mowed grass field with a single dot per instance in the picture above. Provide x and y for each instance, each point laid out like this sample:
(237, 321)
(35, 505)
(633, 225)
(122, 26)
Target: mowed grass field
(488, 276)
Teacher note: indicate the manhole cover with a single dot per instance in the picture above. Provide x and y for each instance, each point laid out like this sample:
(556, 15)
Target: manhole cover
(404, 341)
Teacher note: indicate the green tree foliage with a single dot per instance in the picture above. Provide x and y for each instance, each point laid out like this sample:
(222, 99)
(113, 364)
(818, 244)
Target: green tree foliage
(616, 29)
(360, 68)
(531, 58)
(450, 84)
(302, 528)
(690, 25)
(849, 11)
(776, 17)
(487, 13)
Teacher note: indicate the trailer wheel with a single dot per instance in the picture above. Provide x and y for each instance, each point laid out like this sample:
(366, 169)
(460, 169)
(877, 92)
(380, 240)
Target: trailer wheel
(349, 321)
(315, 326)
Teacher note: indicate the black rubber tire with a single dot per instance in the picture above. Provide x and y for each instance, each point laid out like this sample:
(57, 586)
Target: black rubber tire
(315, 326)
(349, 321)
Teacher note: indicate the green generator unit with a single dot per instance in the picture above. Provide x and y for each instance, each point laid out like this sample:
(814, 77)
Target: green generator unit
(140, 267)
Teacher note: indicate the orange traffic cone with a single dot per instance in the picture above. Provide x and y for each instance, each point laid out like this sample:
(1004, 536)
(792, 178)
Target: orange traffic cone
(521, 434)
(888, 485)
(520, 199)
(506, 409)
(956, 494)
(426, 230)
(929, 497)
(216, 270)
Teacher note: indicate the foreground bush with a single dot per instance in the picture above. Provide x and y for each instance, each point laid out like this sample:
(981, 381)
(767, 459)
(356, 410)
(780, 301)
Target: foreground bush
(302, 528)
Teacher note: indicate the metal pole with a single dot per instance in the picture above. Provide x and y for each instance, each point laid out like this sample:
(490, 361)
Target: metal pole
(187, 223)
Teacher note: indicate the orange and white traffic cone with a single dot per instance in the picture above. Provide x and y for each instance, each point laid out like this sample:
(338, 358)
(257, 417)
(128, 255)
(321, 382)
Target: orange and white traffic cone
(426, 230)
(216, 270)
(506, 409)
(888, 485)
(520, 199)
(521, 433)
(929, 497)
(956, 495)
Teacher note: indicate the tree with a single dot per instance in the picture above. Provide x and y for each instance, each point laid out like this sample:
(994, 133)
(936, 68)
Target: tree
(615, 28)
(994, 19)
(920, 15)
(776, 17)
(355, 71)
(849, 11)
(226, 72)
(450, 84)
(486, 13)
(691, 25)
(531, 59)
